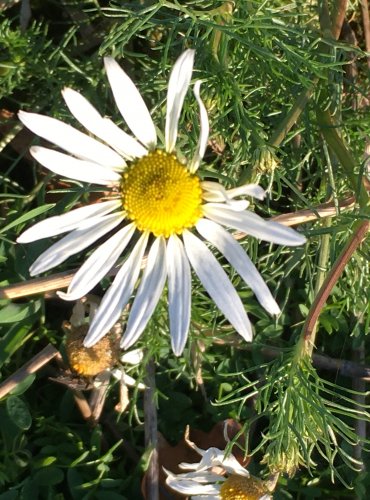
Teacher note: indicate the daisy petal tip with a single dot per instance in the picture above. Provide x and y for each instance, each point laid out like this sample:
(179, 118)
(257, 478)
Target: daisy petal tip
(196, 88)
(93, 336)
(245, 331)
(109, 62)
(68, 94)
(124, 344)
(34, 150)
(88, 342)
(299, 240)
(189, 53)
(21, 239)
(22, 114)
(276, 311)
(177, 350)
(66, 296)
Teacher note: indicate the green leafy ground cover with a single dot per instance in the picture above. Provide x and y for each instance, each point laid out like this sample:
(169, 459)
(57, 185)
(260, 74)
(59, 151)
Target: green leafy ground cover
(288, 105)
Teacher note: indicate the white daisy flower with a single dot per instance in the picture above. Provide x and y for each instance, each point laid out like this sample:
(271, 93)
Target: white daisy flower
(155, 198)
(217, 476)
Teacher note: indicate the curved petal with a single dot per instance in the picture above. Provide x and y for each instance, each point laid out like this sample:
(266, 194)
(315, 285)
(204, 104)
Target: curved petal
(130, 104)
(204, 131)
(253, 190)
(66, 222)
(217, 284)
(189, 486)
(253, 224)
(121, 376)
(74, 242)
(133, 357)
(103, 128)
(80, 170)
(70, 139)
(177, 87)
(214, 456)
(179, 293)
(98, 264)
(148, 293)
(117, 295)
(214, 192)
(235, 254)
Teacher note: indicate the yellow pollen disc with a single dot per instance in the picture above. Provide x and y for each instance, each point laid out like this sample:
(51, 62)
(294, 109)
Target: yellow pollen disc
(89, 361)
(242, 488)
(160, 195)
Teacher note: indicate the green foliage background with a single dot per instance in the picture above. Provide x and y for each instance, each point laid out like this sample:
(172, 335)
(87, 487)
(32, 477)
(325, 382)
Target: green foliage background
(255, 60)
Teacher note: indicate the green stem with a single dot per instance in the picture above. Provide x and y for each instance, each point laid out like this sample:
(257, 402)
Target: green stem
(336, 144)
(321, 274)
(291, 118)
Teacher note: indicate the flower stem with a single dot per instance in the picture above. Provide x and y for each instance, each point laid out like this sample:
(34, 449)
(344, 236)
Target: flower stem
(361, 228)
(151, 433)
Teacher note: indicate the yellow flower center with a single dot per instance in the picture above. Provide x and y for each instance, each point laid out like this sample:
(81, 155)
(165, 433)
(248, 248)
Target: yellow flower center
(242, 488)
(160, 195)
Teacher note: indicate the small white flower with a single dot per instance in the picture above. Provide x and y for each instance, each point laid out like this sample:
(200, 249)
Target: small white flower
(156, 201)
(216, 476)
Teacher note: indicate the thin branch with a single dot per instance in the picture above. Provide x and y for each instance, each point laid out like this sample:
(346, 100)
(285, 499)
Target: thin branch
(98, 396)
(338, 16)
(342, 366)
(32, 366)
(359, 386)
(82, 404)
(151, 433)
(331, 279)
(366, 25)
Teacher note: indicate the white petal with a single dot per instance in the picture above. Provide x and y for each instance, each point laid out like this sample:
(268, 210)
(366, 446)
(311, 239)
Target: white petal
(117, 295)
(191, 483)
(70, 139)
(74, 242)
(103, 128)
(206, 497)
(215, 457)
(190, 487)
(179, 293)
(98, 264)
(215, 192)
(130, 103)
(126, 379)
(199, 476)
(218, 457)
(80, 170)
(217, 284)
(148, 293)
(66, 222)
(177, 87)
(133, 357)
(235, 254)
(253, 190)
(204, 131)
(253, 224)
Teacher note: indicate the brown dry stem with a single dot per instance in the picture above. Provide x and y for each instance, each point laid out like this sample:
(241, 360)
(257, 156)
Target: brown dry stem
(32, 366)
(331, 279)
